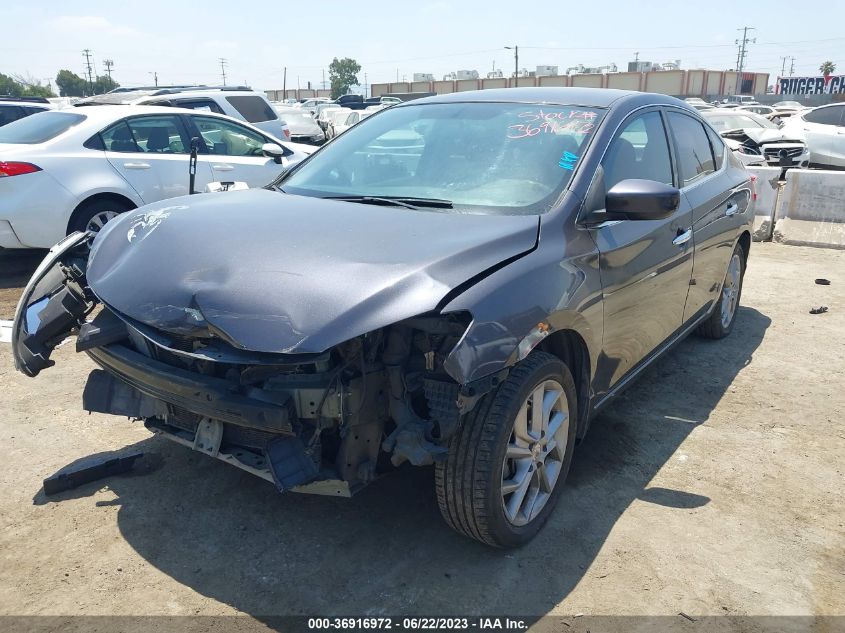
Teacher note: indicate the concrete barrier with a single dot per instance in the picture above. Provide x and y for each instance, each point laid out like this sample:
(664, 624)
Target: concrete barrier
(765, 204)
(812, 209)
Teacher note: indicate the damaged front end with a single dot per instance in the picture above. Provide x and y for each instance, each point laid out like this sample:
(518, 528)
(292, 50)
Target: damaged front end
(767, 147)
(324, 423)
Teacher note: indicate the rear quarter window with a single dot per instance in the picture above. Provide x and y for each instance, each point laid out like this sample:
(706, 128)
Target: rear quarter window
(254, 109)
(39, 128)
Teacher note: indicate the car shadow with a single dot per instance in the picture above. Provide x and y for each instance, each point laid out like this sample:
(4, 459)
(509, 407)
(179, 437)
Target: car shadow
(229, 536)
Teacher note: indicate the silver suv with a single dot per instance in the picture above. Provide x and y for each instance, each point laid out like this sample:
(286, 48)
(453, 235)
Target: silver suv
(238, 102)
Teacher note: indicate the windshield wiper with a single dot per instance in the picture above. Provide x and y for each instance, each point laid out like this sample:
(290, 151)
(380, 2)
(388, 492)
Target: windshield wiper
(399, 201)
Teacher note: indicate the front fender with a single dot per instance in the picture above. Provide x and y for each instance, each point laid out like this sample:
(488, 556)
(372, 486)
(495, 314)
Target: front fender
(506, 306)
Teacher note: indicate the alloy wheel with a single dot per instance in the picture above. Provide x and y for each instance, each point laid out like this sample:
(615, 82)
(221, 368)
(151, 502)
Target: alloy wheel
(730, 291)
(98, 221)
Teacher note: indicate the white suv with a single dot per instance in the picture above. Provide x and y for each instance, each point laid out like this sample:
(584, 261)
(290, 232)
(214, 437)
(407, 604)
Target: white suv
(238, 102)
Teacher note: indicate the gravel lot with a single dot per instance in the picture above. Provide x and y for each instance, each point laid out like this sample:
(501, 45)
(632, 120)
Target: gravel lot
(714, 486)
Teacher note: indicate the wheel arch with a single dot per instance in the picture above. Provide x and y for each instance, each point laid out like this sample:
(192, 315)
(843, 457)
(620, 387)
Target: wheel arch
(745, 241)
(105, 196)
(570, 347)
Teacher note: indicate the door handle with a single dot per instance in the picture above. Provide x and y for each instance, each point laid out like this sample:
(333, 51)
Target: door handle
(136, 165)
(731, 209)
(682, 238)
(222, 167)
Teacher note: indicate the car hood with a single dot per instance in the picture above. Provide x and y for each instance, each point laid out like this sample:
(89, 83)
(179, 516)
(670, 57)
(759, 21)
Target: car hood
(272, 272)
(761, 135)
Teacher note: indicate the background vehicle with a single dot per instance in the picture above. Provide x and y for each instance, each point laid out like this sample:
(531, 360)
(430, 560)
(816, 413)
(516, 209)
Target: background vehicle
(756, 140)
(387, 101)
(238, 102)
(471, 303)
(311, 104)
(303, 128)
(762, 110)
(740, 100)
(340, 125)
(322, 113)
(73, 170)
(788, 105)
(823, 130)
(335, 117)
(14, 108)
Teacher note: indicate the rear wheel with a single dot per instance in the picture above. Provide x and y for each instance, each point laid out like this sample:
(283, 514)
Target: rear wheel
(721, 321)
(507, 463)
(93, 215)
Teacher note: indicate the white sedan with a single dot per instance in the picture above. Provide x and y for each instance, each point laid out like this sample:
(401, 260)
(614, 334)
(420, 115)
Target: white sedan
(70, 170)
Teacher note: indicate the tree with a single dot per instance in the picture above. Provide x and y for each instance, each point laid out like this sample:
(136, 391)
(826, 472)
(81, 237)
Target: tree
(9, 86)
(23, 86)
(827, 68)
(343, 73)
(70, 84)
(103, 84)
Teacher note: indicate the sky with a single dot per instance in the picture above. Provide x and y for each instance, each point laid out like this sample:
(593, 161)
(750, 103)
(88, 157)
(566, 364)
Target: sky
(183, 41)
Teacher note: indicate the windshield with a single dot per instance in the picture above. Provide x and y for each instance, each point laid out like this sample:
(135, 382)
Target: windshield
(38, 128)
(505, 158)
(725, 122)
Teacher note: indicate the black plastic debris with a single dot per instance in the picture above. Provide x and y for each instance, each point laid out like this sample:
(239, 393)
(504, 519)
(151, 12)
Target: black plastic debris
(823, 282)
(819, 310)
(89, 469)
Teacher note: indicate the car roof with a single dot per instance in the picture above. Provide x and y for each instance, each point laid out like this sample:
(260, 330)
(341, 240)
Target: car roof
(28, 104)
(588, 97)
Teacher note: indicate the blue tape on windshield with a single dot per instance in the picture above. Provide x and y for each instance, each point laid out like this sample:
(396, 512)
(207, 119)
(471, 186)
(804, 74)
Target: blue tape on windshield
(568, 160)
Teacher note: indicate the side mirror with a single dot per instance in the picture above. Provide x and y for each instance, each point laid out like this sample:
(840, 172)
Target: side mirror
(273, 150)
(636, 199)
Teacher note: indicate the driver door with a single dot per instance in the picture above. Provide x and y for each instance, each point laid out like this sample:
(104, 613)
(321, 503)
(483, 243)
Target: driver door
(233, 152)
(645, 265)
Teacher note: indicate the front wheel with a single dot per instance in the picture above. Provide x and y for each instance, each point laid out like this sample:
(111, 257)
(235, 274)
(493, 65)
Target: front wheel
(721, 321)
(508, 461)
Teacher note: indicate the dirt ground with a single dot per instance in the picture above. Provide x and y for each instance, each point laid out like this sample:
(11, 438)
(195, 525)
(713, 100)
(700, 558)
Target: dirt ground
(714, 486)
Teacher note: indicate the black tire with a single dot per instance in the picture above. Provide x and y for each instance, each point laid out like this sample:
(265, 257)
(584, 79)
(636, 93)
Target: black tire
(87, 211)
(469, 482)
(715, 327)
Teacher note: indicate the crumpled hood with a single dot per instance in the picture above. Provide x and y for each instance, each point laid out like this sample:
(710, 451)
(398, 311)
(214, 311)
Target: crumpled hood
(762, 135)
(279, 273)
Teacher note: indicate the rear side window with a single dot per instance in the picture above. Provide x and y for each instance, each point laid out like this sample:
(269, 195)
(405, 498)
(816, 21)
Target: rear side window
(640, 151)
(39, 128)
(201, 105)
(718, 146)
(118, 138)
(228, 138)
(825, 116)
(9, 114)
(695, 158)
(254, 109)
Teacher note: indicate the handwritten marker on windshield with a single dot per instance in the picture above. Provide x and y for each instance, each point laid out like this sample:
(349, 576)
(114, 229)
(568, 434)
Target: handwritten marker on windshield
(568, 160)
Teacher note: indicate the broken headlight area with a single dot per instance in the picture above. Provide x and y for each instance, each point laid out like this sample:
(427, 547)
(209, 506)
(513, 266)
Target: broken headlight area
(325, 423)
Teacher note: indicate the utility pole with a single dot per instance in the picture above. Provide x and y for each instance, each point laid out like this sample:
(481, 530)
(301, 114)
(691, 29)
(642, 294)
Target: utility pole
(223, 69)
(792, 67)
(515, 63)
(783, 65)
(87, 54)
(324, 78)
(365, 86)
(743, 50)
(155, 77)
(109, 64)
(285, 83)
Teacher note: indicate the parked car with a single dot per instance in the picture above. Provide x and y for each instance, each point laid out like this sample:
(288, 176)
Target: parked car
(335, 117)
(757, 141)
(311, 104)
(788, 105)
(740, 100)
(14, 108)
(474, 311)
(303, 128)
(73, 170)
(342, 124)
(698, 103)
(823, 130)
(762, 110)
(382, 101)
(321, 113)
(238, 102)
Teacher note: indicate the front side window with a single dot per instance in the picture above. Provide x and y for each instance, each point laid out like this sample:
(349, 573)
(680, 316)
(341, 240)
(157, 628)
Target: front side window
(718, 146)
(695, 158)
(228, 138)
(39, 128)
(157, 134)
(252, 108)
(640, 151)
(505, 158)
(825, 116)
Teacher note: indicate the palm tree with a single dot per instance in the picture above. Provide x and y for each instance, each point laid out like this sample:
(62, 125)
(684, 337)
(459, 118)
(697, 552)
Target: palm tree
(827, 68)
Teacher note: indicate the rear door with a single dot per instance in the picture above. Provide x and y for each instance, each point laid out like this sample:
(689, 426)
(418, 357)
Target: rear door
(645, 264)
(706, 186)
(152, 153)
(233, 151)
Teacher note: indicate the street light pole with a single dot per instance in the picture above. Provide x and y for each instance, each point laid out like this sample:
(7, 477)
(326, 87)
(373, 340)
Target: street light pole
(515, 62)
